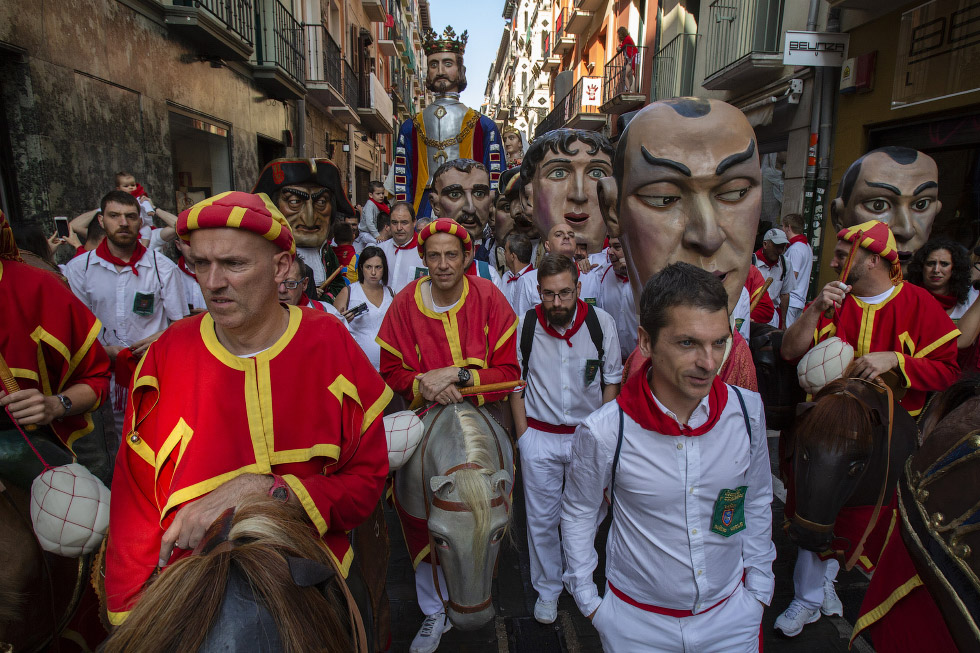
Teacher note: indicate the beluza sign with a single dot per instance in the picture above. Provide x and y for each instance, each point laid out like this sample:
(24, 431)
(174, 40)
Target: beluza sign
(815, 48)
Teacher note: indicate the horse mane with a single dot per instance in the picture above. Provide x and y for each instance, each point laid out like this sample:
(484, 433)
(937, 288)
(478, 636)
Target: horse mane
(837, 420)
(473, 485)
(177, 610)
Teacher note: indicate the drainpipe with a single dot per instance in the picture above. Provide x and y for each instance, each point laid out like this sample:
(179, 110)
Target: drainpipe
(301, 128)
(810, 177)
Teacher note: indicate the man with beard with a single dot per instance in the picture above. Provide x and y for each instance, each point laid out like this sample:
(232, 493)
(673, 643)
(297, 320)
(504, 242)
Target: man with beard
(560, 240)
(570, 371)
(309, 192)
(895, 185)
(461, 192)
(687, 186)
(446, 129)
(402, 249)
(136, 293)
(559, 176)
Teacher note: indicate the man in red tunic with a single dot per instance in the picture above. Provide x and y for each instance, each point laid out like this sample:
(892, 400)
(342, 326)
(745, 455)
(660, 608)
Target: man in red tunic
(444, 332)
(219, 407)
(894, 327)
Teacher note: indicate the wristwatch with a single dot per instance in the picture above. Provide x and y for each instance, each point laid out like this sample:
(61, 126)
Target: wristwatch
(464, 377)
(65, 402)
(279, 490)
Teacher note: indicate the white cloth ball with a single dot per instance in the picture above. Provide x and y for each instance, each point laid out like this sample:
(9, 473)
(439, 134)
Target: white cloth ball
(404, 432)
(824, 363)
(69, 510)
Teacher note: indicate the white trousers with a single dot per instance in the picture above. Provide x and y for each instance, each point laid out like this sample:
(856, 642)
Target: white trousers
(425, 589)
(732, 626)
(808, 576)
(544, 460)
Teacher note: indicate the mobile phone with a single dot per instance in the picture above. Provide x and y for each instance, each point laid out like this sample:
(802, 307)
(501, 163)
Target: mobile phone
(61, 224)
(357, 310)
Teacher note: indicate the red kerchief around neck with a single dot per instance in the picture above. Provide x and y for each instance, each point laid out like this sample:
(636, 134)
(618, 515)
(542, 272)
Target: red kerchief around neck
(102, 251)
(581, 308)
(947, 301)
(138, 192)
(182, 264)
(516, 277)
(761, 255)
(799, 239)
(382, 208)
(637, 401)
(412, 244)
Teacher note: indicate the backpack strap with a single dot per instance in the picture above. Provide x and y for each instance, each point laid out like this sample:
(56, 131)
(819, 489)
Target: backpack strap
(619, 448)
(595, 331)
(745, 413)
(483, 270)
(527, 337)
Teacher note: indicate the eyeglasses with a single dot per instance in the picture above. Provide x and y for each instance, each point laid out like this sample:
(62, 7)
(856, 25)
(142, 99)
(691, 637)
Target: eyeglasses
(549, 296)
(292, 285)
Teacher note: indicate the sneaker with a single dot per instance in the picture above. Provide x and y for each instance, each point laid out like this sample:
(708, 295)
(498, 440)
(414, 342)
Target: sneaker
(797, 615)
(427, 639)
(831, 604)
(545, 612)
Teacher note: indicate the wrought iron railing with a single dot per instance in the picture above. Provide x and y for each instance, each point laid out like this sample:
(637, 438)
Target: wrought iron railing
(673, 68)
(237, 15)
(286, 49)
(737, 28)
(350, 86)
(546, 44)
(334, 61)
(559, 28)
(622, 73)
(566, 109)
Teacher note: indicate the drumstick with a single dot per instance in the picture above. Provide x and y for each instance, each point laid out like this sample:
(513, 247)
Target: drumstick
(846, 270)
(491, 387)
(328, 280)
(10, 384)
(758, 298)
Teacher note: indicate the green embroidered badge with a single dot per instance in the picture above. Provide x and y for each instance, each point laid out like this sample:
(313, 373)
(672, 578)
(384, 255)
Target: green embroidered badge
(729, 515)
(143, 304)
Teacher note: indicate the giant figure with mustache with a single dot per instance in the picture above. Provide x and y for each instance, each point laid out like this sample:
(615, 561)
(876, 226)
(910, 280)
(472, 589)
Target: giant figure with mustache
(446, 129)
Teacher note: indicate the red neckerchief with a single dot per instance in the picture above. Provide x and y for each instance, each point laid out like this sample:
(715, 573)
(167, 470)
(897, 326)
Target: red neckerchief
(761, 255)
(637, 401)
(138, 192)
(306, 301)
(518, 276)
(472, 271)
(80, 250)
(622, 277)
(182, 264)
(799, 239)
(581, 308)
(383, 208)
(102, 251)
(412, 244)
(947, 301)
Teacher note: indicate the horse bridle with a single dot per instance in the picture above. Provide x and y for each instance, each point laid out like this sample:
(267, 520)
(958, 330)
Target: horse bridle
(456, 506)
(825, 528)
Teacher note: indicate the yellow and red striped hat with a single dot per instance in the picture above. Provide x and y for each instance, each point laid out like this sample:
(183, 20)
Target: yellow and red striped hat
(238, 210)
(446, 226)
(877, 238)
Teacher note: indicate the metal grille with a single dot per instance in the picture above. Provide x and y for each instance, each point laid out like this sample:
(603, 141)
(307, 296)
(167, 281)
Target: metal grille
(673, 68)
(350, 86)
(235, 14)
(621, 75)
(737, 28)
(287, 41)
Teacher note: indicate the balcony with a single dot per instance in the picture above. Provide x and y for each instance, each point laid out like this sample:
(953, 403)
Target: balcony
(564, 42)
(589, 5)
(324, 78)
(673, 68)
(621, 79)
(579, 21)
(743, 44)
(375, 10)
(218, 28)
(280, 62)
(374, 106)
(579, 109)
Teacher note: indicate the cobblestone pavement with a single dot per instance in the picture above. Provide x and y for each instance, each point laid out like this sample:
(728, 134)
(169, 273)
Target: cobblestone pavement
(514, 629)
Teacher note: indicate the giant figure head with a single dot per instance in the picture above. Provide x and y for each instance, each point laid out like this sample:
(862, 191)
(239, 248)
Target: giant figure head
(308, 192)
(461, 192)
(686, 186)
(513, 144)
(559, 175)
(895, 185)
(445, 72)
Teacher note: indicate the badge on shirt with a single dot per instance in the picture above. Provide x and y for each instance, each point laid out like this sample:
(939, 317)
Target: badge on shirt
(729, 515)
(591, 301)
(739, 321)
(143, 304)
(421, 272)
(591, 369)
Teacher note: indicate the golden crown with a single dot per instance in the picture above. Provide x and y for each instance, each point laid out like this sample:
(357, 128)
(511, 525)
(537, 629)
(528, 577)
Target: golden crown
(432, 42)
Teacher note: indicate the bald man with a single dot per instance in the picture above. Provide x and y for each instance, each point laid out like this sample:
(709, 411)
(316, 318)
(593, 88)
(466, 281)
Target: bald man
(560, 240)
(895, 185)
(686, 186)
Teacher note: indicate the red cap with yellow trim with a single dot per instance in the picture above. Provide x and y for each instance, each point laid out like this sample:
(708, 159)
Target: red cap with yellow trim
(446, 226)
(877, 239)
(238, 210)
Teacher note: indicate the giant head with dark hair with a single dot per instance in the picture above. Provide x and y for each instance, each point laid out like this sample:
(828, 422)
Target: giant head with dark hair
(461, 192)
(686, 186)
(895, 185)
(559, 175)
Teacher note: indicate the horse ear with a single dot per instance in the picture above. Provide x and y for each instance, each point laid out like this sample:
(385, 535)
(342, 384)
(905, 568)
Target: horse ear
(308, 573)
(804, 406)
(500, 479)
(436, 483)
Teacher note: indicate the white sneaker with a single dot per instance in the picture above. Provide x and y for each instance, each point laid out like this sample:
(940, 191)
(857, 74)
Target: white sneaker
(545, 612)
(797, 615)
(427, 639)
(831, 604)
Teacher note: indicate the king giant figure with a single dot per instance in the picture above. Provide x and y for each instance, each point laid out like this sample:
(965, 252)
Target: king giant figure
(446, 129)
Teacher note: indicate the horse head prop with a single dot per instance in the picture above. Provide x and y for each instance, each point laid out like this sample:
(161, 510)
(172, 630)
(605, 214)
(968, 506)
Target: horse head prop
(848, 449)
(460, 480)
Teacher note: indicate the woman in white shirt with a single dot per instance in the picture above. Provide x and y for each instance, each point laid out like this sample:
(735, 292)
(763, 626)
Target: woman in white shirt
(364, 303)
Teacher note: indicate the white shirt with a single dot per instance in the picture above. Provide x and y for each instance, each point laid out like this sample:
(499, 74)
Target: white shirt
(404, 265)
(557, 392)
(526, 295)
(961, 308)
(111, 295)
(661, 550)
(328, 308)
(800, 259)
(364, 328)
(363, 240)
(192, 290)
(616, 298)
(782, 280)
(741, 314)
(510, 285)
(311, 256)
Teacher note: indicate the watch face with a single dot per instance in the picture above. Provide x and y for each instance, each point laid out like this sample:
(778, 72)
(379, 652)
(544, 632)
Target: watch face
(65, 401)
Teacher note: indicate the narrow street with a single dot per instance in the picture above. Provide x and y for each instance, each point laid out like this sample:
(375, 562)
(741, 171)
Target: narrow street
(514, 629)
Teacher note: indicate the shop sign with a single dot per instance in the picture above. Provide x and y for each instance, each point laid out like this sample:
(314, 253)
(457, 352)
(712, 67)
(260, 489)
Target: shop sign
(815, 48)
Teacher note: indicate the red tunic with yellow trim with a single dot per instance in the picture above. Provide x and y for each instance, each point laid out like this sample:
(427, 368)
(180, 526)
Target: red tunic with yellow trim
(911, 323)
(478, 333)
(49, 341)
(308, 408)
